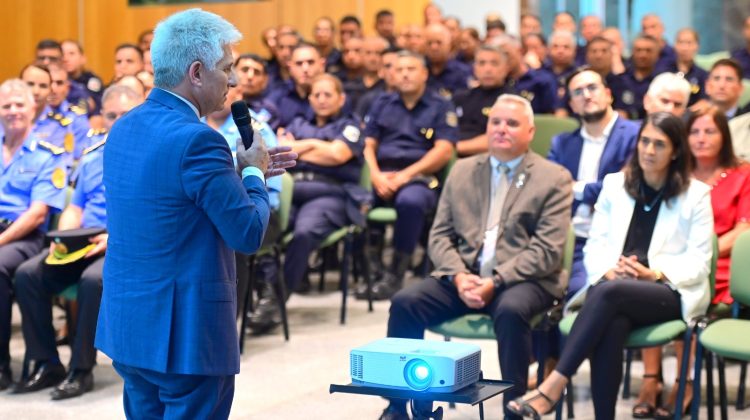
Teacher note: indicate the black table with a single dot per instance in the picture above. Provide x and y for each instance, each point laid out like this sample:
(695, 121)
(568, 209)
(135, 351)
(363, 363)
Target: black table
(421, 402)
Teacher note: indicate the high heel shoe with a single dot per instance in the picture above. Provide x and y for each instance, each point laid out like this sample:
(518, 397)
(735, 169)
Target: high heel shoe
(526, 410)
(666, 412)
(644, 409)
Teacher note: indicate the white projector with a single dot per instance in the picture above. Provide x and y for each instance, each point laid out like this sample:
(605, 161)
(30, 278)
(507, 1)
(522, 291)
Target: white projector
(416, 365)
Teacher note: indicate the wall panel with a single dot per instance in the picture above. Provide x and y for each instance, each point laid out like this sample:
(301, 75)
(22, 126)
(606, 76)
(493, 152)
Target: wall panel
(108, 23)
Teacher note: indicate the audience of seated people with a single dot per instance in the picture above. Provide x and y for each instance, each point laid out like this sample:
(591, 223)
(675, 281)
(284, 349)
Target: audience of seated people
(403, 102)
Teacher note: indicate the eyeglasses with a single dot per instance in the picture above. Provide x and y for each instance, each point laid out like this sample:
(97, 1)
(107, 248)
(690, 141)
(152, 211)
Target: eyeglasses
(592, 88)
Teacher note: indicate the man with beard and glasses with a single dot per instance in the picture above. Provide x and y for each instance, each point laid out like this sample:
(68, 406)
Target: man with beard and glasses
(602, 145)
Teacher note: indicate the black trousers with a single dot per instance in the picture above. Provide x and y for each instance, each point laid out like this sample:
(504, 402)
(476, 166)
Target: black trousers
(431, 302)
(611, 311)
(36, 284)
(11, 256)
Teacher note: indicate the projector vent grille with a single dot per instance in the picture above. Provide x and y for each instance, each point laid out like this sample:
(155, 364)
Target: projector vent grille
(356, 365)
(467, 369)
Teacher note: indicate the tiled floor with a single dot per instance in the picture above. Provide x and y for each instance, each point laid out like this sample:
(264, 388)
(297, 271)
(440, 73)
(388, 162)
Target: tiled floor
(281, 380)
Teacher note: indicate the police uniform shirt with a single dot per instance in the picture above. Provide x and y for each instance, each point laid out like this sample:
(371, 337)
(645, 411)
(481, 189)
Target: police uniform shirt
(66, 128)
(473, 108)
(354, 88)
(539, 88)
(89, 190)
(290, 104)
(742, 55)
(628, 92)
(230, 132)
(36, 172)
(78, 96)
(561, 78)
(696, 76)
(95, 88)
(363, 106)
(265, 110)
(580, 59)
(404, 136)
(454, 78)
(334, 63)
(274, 75)
(666, 55)
(344, 128)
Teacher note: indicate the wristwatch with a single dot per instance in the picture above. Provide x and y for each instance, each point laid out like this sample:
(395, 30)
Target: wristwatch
(659, 276)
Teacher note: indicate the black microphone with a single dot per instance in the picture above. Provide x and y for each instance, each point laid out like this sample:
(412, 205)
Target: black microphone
(242, 120)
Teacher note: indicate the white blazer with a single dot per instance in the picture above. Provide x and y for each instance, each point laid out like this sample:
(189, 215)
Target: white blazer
(681, 245)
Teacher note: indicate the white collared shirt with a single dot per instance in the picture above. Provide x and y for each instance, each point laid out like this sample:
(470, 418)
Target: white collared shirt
(190, 104)
(588, 170)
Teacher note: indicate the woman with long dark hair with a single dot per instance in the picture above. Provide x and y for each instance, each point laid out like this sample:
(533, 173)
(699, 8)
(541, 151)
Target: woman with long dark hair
(647, 258)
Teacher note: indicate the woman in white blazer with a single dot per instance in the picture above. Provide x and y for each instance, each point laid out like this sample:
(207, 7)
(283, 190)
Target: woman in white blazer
(647, 257)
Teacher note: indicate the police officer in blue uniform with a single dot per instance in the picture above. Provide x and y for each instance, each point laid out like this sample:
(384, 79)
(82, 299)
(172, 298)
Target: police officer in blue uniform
(537, 86)
(252, 80)
(351, 72)
(651, 25)
(447, 75)
(291, 97)
(41, 277)
(325, 39)
(388, 59)
(32, 186)
(473, 106)
(63, 112)
(561, 63)
(330, 162)
(686, 46)
(630, 87)
(73, 62)
(409, 138)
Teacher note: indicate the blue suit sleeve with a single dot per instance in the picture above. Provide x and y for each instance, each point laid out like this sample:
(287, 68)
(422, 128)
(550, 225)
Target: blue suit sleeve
(239, 210)
(554, 152)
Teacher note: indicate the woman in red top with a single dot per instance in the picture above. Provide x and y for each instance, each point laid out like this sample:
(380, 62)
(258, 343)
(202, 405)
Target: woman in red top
(714, 163)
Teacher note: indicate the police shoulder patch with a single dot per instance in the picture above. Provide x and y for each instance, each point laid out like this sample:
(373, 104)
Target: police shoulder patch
(351, 133)
(451, 119)
(58, 178)
(78, 110)
(55, 150)
(94, 84)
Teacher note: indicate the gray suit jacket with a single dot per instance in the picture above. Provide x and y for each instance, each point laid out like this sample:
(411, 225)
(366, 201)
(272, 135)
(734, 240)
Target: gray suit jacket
(533, 226)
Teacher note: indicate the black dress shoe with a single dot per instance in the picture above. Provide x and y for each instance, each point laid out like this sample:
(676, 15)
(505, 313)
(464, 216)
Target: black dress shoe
(266, 316)
(6, 377)
(45, 375)
(76, 384)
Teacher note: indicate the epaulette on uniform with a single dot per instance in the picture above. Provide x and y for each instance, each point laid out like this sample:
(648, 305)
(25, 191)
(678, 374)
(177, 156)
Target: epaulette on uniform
(78, 110)
(60, 118)
(95, 132)
(94, 146)
(55, 150)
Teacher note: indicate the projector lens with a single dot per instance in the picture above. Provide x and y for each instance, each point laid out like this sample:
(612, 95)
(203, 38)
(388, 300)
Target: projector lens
(418, 374)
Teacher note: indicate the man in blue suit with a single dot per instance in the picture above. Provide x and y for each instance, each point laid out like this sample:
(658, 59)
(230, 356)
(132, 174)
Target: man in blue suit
(602, 145)
(176, 208)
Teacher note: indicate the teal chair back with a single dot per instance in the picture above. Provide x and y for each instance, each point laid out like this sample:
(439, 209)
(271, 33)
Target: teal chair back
(705, 61)
(285, 200)
(745, 96)
(739, 271)
(548, 126)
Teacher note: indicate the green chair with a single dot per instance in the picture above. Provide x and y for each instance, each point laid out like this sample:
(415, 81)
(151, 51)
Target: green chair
(547, 127)
(245, 298)
(745, 96)
(727, 338)
(705, 61)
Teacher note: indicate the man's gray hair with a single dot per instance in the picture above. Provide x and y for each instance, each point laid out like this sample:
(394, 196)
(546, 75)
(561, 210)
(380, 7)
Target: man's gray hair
(118, 91)
(12, 86)
(566, 35)
(412, 54)
(518, 100)
(186, 37)
(669, 82)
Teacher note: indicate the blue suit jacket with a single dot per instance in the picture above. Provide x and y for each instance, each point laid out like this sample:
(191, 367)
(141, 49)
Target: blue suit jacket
(175, 209)
(566, 150)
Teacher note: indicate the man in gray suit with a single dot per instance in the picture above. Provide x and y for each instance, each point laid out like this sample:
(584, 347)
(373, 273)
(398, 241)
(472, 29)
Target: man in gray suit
(497, 245)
